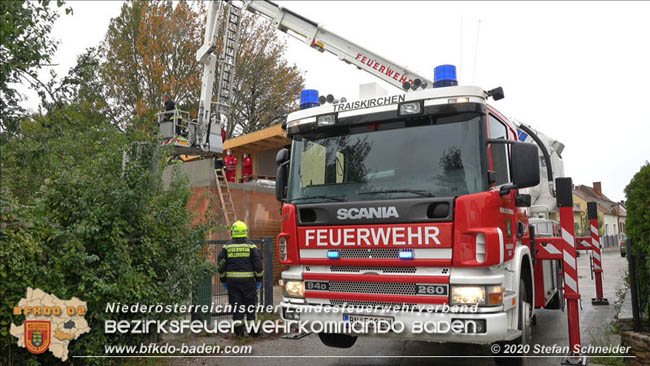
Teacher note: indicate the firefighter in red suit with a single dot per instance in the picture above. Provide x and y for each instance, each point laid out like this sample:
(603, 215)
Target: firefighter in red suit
(247, 167)
(231, 165)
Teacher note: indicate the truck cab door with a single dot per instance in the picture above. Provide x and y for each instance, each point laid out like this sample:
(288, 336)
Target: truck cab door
(499, 162)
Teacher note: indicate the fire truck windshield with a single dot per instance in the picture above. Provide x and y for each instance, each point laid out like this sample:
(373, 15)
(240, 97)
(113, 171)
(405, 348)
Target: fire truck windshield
(437, 156)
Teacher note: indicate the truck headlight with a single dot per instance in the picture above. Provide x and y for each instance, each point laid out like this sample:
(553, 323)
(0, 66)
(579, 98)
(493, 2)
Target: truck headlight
(410, 108)
(467, 295)
(326, 120)
(482, 295)
(294, 289)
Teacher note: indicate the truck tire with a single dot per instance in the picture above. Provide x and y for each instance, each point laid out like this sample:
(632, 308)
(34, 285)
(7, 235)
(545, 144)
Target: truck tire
(337, 340)
(524, 309)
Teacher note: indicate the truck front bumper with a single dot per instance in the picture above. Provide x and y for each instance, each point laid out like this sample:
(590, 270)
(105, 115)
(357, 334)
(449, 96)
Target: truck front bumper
(423, 326)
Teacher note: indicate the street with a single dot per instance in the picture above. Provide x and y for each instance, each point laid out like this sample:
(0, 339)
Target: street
(551, 329)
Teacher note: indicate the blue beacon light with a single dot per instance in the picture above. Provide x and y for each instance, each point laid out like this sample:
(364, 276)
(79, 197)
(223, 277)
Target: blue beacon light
(309, 99)
(444, 75)
(406, 254)
(333, 254)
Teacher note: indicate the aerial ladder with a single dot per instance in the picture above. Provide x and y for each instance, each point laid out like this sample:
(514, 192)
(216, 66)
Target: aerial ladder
(321, 39)
(226, 63)
(202, 136)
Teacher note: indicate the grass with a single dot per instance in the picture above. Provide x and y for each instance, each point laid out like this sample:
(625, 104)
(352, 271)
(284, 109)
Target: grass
(605, 336)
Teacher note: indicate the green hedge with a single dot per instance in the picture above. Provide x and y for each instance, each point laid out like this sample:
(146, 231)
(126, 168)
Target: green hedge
(94, 231)
(638, 230)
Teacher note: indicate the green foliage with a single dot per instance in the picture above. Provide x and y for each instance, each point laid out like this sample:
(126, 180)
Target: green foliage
(638, 228)
(26, 47)
(638, 210)
(104, 236)
(75, 223)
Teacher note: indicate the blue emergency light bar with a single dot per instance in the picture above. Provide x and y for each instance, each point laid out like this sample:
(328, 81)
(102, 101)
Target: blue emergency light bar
(406, 254)
(333, 254)
(444, 75)
(309, 99)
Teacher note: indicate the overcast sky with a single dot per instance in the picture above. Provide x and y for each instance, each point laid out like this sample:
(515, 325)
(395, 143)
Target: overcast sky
(577, 71)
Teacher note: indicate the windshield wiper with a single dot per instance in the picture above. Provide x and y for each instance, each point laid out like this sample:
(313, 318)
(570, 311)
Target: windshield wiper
(333, 198)
(414, 191)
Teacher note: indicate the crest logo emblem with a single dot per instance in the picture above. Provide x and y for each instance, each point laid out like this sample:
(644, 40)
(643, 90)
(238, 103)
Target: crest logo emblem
(37, 335)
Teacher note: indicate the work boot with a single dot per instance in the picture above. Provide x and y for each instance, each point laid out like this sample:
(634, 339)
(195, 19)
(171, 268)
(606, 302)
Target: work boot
(239, 331)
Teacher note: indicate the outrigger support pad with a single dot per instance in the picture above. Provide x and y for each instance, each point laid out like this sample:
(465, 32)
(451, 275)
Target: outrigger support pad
(599, 301)
(574, 360)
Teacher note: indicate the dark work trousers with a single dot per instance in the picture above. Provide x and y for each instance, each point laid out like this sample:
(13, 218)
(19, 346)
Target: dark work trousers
(242, 291)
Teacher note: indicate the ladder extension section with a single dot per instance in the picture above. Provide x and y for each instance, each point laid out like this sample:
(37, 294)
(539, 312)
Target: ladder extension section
(228, 58)
(319, 38)
(225, 198)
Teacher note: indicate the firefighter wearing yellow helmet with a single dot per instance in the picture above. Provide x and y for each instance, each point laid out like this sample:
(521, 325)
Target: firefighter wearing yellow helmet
(240, 271)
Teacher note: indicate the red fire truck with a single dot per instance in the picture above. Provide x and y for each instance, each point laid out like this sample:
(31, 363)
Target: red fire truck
(426, 198)
(429, 201)
(409, 200)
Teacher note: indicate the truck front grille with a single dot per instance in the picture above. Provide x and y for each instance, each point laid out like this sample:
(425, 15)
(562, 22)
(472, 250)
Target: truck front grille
(388, 288)
(379, 270)
(375, 253)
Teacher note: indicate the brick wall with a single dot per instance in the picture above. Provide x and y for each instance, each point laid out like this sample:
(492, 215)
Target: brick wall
(640, 343)
(258, 208)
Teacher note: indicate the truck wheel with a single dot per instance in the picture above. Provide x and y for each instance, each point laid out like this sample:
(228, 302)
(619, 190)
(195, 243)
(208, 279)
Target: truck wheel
(337, 340)
(522, 343)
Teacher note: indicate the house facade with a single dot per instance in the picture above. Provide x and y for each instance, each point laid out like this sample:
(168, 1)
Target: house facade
(611, 214)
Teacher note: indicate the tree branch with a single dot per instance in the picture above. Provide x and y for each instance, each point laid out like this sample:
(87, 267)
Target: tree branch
(57, 101)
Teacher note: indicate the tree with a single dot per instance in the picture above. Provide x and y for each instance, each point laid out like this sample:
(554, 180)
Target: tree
(105, 236)
(26, 47)
(76, 223)
(150, 51)
(637, 205)
(42, 148)
(267, 87)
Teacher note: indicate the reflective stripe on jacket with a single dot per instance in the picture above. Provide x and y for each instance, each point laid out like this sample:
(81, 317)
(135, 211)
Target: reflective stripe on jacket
(240, 259)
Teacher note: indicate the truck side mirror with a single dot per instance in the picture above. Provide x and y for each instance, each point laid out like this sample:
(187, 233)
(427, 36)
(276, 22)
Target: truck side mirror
(281, 181)
(523, 200)
(282, 156)
(282, 176)
(525, 165)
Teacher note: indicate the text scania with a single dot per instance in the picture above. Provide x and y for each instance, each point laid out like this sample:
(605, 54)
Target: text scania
(366, 213)
(373, 236)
